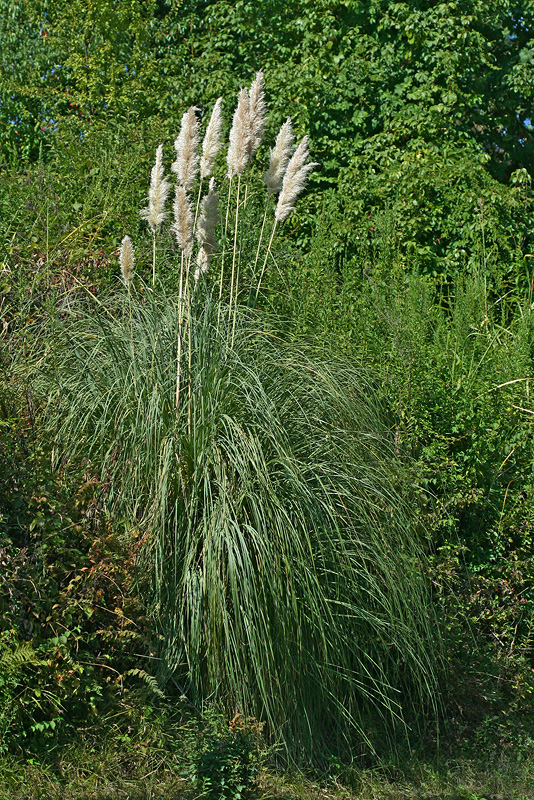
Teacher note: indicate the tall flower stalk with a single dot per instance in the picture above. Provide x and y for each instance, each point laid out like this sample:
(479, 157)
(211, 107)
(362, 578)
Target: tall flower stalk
(237, 158)
(257, 119)
(257, 111)
(205, 231)
(211, 145)
(126, 261)
(155, 213)
(183, 230)
(293, 184)
(278, 160)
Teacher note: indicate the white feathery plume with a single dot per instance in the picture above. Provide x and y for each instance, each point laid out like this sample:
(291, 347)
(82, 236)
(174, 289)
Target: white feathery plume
(257, 110)
(212, 142)
(126, 260)
(203, 260)
(155, 212)
(294, 181)
(279, 158)
(183, 221)
(186, 146)
(208, 218)
(238, 149)
(205, 232)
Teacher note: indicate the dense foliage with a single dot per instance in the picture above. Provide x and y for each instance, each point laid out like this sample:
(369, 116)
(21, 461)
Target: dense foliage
(382, 71)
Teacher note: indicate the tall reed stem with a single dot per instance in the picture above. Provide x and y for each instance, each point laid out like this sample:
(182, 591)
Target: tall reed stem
(197, 205)
(224, 251)
(129, 289)
(235, 243)
(179, 354)
(261, 234)
(265, 263)
(238, 268)
(189, 342)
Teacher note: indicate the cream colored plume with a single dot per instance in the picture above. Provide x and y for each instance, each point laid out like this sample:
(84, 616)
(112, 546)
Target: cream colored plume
(186, 146)
(183, 221)
(205, 232)
(155, 212)
(126, 260)
(257, 110)
(279, 158)
(238, 150)
(203, 261)
(294, 181)
(208, 218)
(212, 142)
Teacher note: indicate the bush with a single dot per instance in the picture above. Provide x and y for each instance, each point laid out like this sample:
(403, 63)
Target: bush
(225, 757)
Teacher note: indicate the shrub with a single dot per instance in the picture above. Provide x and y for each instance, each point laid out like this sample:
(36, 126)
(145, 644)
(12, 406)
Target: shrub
(225, 757)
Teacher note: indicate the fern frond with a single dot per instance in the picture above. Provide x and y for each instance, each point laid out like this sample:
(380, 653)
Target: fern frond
(150, 680)
(23, 654)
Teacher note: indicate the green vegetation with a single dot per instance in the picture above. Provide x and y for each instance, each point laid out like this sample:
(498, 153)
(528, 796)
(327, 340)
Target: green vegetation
(253, 524)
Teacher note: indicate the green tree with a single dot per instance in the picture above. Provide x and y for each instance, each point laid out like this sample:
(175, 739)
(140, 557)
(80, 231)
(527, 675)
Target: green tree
(71, 61)
(346, 71)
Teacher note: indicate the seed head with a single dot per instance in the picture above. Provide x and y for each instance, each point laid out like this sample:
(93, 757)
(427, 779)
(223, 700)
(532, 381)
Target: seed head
(279, 158)
(205, 232)
(183, 221)
(294, 181)
(186, 146)
(208, 218)
(126, 260)
(203, 260)
(257, 110)
(212, 140)
(155, 212)
(238, 150)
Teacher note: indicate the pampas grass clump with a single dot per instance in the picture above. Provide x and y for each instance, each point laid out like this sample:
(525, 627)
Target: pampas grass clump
(283, 572)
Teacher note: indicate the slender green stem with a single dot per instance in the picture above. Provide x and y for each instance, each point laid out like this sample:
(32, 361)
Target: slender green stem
(154, 259)
(197, 205)
(235, 243)
(265, 262)
(224, 251)
(261, 232)
(238, 267)
(240, 251)
(128, 288)
(235, 315)
(243, 221)
(179, 354)
(189, 341)
(47, 266)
